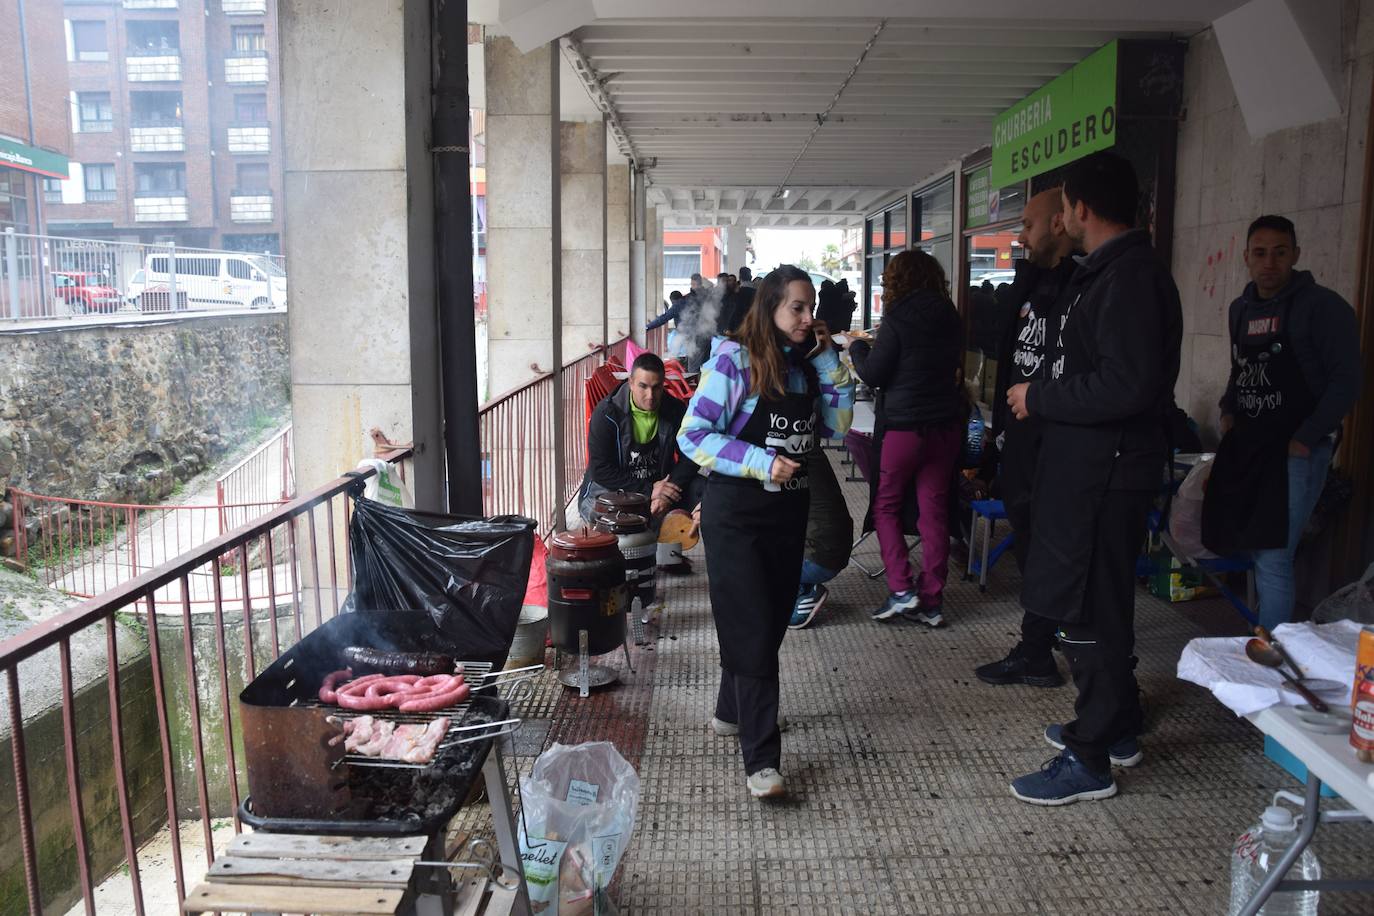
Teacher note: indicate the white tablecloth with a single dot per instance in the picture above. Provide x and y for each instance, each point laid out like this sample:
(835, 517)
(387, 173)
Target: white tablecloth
(1221, 665)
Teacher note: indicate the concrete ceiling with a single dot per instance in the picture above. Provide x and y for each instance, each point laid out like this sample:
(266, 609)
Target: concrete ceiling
(733, 107)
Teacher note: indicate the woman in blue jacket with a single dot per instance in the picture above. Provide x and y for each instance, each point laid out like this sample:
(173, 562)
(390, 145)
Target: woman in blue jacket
(765, 394)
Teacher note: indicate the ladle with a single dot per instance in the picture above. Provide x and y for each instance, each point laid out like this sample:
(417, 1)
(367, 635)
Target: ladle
(1261, 653)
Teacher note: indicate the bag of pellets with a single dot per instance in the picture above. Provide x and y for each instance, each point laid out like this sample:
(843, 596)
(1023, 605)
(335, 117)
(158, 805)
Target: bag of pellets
(577, 817)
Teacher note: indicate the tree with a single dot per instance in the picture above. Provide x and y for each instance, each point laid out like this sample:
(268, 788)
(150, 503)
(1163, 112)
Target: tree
(806, 262)
(830, 259)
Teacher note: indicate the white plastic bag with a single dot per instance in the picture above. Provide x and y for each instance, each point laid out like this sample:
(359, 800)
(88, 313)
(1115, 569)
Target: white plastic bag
(387, 485)
(579, 811)
(1185, 512)
(1350, 602)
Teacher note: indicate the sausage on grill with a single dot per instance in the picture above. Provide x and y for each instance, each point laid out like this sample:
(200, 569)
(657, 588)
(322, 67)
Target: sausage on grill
(362, 658)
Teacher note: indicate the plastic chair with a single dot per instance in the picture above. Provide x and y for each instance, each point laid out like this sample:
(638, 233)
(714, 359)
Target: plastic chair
(979, 562)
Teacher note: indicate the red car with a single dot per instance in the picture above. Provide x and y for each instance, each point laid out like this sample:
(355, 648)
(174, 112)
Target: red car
(85, 292)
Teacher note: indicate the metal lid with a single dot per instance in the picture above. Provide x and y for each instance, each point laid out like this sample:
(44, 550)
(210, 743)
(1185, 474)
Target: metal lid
(622, 523)
(622, 501)
(583, 544)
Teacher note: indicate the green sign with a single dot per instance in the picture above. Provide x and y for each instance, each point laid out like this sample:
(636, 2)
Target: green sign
(16, 155)
(1067, 118)
(977, 199)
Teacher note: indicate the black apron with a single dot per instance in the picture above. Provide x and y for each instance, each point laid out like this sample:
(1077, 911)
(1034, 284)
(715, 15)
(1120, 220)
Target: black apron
(1246, 502)
(754, 538)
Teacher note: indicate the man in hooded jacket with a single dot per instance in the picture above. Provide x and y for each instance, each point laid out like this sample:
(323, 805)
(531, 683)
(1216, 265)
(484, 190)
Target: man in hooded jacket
(1113, 359)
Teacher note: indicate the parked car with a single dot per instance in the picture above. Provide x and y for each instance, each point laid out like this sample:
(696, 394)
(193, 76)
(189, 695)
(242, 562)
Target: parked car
(83, 292)
(215, 279)
(137, 284)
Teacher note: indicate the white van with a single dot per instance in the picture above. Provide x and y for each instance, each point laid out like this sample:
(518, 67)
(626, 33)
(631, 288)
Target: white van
(213, 279)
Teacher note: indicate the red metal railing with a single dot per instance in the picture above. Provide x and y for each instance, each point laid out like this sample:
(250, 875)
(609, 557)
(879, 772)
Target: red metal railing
(86, 547)
(265, 476)
(59, 857)
(656, 340)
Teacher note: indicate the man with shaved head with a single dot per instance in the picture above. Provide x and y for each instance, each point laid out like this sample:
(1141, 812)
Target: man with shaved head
(1026, 309)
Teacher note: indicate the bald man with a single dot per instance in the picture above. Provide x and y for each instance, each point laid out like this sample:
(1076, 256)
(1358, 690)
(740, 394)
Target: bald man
(1026, 309)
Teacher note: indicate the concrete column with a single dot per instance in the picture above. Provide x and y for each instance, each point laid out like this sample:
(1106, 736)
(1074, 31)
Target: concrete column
(638, 255)
(583, 177)
(736, 240)
(347, 201)
(653, 264)
(519, 213)
(618, 249)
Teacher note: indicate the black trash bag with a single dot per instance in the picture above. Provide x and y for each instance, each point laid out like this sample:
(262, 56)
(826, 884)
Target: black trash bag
(468, 574)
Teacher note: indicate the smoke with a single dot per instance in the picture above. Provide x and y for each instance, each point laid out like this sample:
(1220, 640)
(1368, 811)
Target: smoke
(700, 325)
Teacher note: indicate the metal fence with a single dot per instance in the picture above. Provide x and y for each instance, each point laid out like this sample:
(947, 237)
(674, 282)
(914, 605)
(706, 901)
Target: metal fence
(136, 736)
(47, 277)
(265, 476)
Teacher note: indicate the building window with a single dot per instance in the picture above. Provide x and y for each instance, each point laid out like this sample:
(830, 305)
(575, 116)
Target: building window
(155, 109)
(100, 181)
(152, 179)
(154, 39)
(52, 190)
(250, 39)
(95, 113)
(88, 41)
(932, 209)
(251, 108)
(252, 179)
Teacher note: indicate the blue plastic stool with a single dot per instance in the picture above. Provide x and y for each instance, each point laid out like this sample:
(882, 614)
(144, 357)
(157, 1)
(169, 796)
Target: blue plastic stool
(991, 511)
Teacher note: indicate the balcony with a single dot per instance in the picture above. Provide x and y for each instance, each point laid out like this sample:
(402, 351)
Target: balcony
(154, 65)
(250, 206)
(253, 137)
(156, 137)
(243, 7)
(150, 4)
(161, 207)
(243, 68)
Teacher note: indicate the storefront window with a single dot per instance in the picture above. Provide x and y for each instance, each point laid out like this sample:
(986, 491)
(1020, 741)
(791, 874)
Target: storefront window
(932, 211)
(14, 210)
(992, 222)
(886, 235)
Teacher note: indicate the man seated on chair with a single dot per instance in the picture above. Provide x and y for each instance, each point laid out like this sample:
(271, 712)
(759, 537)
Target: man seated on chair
(632, 445)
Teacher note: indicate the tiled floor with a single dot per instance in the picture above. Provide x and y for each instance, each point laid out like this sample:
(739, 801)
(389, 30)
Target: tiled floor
(898, 761)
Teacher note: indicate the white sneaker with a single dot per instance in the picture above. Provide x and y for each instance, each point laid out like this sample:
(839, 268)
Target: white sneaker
(730, 729)
(766, 783)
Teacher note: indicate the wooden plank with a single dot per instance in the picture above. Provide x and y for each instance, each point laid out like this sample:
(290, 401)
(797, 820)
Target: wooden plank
(379, 873)
(322, 901)
(501, 902)
(468, 897)
(351, 848)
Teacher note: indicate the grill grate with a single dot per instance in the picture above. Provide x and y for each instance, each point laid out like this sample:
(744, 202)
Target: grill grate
(478, 675)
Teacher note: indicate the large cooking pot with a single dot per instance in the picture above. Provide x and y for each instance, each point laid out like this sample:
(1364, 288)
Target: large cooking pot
(639, 546)
(613, 501)
(587, 591)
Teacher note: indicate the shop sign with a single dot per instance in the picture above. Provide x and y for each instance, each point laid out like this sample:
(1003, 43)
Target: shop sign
(981, 198)
(1067, 118)
(16, 155)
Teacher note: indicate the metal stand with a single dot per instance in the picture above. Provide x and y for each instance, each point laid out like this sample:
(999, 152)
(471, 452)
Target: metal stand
(588, 675)
(503, 819)
(855, 561)
(1311, 816)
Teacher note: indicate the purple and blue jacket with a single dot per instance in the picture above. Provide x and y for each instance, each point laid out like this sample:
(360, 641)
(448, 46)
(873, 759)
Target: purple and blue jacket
(723, 405)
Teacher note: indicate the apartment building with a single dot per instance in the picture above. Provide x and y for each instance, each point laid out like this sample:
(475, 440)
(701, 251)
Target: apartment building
(175, 123)
(35, 138)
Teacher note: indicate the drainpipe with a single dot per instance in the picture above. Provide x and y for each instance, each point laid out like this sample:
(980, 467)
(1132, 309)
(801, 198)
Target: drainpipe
(452, 256)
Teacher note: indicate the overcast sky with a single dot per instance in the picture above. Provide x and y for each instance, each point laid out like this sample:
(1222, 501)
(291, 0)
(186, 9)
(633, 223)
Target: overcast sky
(785, 246)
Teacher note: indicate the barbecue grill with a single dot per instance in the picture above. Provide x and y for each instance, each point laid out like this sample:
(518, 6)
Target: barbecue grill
(299, 783)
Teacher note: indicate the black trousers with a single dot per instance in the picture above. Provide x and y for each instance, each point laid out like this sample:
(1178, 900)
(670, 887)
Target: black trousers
(1101, 647)
(1037, 633)
(754, 542)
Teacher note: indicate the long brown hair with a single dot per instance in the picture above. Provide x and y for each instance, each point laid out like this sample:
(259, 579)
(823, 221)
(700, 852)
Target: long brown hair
(760, 335)
(912, 270)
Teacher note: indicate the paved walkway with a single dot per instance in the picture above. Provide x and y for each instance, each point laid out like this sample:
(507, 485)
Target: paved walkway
(898, 762)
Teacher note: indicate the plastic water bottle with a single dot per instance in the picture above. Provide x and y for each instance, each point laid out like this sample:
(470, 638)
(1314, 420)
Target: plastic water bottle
(1258, 851)
(973, 440)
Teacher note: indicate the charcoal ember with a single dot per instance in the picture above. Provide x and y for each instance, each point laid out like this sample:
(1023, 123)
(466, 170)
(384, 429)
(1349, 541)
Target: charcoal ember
(413, 794)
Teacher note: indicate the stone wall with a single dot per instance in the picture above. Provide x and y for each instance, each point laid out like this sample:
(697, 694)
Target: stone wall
(1313, 175)
(124, 412)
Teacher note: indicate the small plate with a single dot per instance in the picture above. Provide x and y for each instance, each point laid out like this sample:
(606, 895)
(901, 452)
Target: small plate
(1335, 722)
(1322, 688)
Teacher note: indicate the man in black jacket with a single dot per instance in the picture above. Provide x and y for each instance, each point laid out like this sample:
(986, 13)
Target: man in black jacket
(632, 445)
(1112, 362)
(1028, 308)
(1295, 373)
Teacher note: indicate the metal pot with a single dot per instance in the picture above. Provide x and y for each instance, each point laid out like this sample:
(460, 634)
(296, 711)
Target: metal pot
(587, 591)
(613, 501)
(639, 546)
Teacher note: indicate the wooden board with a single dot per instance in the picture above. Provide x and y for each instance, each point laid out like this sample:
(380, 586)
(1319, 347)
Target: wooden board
(322, 901)
(353, 848)
(324, 872)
